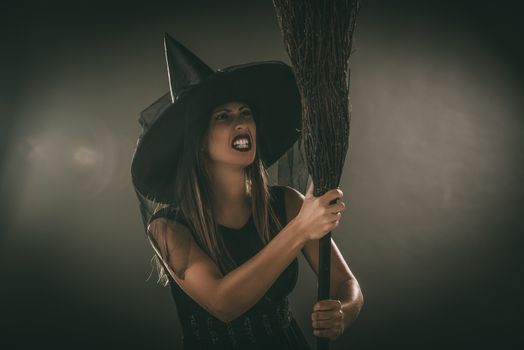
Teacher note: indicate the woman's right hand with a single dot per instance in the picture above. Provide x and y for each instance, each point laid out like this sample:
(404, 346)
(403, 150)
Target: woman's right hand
(318, 216)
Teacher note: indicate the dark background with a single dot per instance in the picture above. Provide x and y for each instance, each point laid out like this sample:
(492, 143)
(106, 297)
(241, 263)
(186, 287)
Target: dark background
(434, 177)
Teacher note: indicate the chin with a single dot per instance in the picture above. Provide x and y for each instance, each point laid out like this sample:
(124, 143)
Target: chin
(244, 159)
(248, 162)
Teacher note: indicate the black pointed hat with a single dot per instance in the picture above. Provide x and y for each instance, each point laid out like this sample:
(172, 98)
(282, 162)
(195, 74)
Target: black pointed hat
(195, 90)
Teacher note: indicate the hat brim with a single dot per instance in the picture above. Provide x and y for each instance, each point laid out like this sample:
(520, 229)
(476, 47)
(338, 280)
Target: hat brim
(268, 87)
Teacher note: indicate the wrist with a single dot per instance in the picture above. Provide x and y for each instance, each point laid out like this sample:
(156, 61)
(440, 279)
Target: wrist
(299, 231)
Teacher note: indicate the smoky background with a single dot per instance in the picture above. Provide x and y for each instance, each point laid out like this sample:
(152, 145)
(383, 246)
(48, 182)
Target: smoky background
(433, 177)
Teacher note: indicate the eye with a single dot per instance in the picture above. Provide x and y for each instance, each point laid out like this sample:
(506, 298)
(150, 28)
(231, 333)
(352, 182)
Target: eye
(221, 115)
(246, 112)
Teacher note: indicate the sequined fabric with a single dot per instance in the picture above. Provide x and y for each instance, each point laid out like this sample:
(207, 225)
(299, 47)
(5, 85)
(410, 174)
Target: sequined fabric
(250, 329)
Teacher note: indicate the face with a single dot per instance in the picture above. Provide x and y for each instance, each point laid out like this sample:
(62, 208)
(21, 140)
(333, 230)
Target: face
(231, 137)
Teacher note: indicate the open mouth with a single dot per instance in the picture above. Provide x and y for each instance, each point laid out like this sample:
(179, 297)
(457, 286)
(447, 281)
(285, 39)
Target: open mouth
(242, 143)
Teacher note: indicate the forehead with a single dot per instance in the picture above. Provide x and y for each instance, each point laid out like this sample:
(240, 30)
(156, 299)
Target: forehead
(231, 106)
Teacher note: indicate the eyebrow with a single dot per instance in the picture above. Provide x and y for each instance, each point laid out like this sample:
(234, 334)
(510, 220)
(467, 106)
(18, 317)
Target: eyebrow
(229, 110)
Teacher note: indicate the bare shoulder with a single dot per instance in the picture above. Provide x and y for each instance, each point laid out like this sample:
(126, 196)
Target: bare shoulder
(163, 224)
(172, 234)
(293, 200)
(172, 241)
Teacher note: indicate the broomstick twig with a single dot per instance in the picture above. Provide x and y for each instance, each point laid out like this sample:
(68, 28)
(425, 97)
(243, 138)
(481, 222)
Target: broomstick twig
(318, 39)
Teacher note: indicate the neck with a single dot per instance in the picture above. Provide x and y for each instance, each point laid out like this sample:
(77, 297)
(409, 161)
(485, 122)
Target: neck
(230, 196)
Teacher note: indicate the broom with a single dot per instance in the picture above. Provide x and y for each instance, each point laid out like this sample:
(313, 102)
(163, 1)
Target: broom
(318, 39)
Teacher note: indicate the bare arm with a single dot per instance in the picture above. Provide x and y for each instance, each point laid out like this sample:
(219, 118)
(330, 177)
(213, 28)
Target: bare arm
(240, 289)
(343, 284)
(225, 297)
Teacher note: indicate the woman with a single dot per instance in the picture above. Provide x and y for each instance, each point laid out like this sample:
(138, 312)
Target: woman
(227, 242)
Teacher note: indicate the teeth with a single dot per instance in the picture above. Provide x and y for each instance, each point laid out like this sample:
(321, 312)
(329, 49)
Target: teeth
(241, 142)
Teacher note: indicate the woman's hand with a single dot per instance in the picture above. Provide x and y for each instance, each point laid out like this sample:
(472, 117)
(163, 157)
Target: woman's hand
(327, 319)
(317, 216)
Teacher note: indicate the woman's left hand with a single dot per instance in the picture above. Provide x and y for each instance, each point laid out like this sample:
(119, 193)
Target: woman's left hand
(327, 319)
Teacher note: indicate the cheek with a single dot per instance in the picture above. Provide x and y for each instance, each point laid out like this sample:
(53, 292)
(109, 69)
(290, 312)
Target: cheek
(253, 127)
(217, 139)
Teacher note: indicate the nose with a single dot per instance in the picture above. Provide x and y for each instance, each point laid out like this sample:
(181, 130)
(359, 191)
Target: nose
(240, 123)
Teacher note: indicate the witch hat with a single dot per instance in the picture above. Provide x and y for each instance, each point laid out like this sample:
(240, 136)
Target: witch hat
(171, 124)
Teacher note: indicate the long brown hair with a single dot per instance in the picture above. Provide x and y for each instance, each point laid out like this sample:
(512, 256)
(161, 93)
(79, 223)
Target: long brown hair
(194, 192)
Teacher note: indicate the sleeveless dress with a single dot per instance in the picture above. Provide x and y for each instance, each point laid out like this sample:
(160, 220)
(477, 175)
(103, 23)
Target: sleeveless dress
(269, 324)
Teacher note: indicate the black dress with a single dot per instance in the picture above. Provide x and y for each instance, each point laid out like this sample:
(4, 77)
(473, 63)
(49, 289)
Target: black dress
(269, 324)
